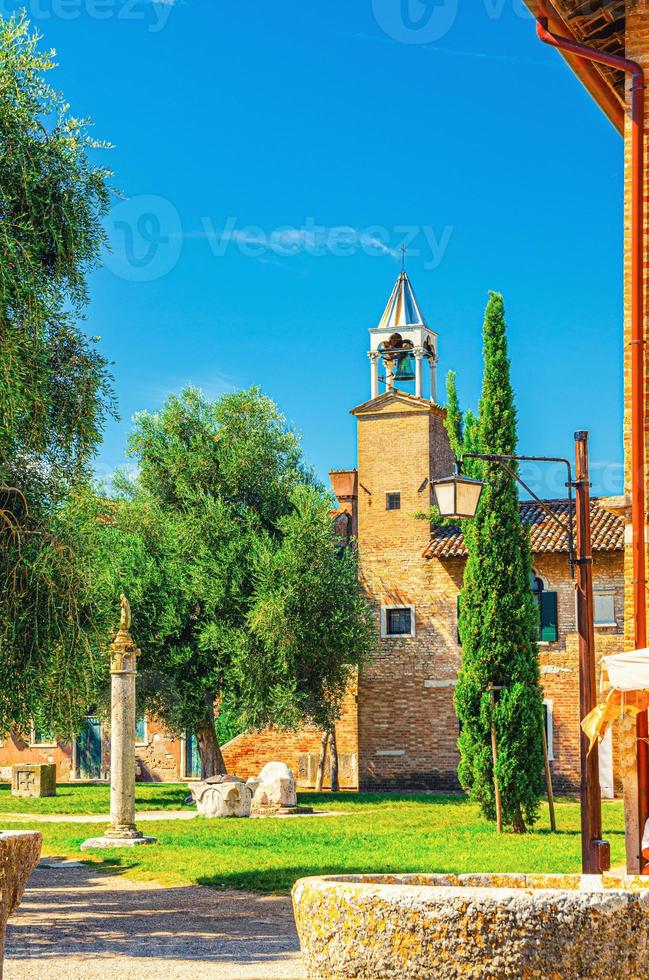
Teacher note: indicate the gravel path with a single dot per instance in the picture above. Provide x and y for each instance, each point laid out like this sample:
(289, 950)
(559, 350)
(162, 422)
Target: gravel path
(76, 923)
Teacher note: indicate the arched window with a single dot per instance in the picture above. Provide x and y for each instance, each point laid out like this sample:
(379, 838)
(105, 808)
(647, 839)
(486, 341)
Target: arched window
(537, 586)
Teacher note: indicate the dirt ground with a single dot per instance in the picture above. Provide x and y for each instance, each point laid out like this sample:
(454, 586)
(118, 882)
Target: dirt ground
(76, 923)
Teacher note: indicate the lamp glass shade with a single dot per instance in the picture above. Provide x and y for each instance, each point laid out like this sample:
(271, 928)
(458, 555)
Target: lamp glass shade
(458, 496)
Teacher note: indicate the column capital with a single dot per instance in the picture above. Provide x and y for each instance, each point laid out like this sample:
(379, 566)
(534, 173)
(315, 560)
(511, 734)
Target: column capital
(374, 355)
(123, 654)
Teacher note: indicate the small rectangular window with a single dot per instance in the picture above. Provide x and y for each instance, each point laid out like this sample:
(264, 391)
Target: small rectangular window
(399, 622)
(42, 736)
(604, 609)
(393, 501)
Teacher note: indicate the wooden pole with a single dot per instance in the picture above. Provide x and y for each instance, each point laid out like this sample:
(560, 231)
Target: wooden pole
(319, 779)
(494, 756)
(595, 853)
(548, 780)
(333, 752)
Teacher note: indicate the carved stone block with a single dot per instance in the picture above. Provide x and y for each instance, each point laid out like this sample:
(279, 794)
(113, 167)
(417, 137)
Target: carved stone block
(32, 780)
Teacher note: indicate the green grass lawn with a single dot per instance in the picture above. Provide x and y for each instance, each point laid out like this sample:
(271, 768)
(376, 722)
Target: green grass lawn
(378, 832)
(86, 798)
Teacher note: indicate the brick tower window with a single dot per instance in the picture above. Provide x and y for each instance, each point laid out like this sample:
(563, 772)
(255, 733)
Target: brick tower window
(393, 501)
(397, 621)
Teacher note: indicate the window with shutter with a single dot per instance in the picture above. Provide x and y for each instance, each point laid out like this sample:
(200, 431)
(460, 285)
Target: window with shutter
(549, 623)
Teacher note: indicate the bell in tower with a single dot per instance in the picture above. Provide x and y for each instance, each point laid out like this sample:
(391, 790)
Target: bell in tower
(401, 343)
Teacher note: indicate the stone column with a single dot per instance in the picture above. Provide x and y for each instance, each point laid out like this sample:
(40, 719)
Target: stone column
(123, 660)
(374, 366)
(432, 360)
(418, 354)
(123, 655)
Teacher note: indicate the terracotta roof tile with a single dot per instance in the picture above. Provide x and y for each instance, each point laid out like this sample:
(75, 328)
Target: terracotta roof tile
(607, 531)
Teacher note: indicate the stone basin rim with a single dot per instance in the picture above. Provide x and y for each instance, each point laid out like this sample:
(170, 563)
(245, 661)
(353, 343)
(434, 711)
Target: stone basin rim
(487, 884)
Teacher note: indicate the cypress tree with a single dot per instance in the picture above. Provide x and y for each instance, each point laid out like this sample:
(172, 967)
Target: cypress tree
(454, 418)
(499, 623)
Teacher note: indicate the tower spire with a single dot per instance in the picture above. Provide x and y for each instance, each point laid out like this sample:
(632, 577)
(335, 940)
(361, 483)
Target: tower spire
(402, 341)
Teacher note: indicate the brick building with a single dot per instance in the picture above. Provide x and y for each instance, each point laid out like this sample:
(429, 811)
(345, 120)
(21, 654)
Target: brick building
(407, 727)
(398, 728)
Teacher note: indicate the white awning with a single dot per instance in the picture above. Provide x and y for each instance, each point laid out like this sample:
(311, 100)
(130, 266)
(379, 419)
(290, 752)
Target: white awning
(628, 671)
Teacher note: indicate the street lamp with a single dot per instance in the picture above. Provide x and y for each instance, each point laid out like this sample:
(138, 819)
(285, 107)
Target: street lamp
(458, 498)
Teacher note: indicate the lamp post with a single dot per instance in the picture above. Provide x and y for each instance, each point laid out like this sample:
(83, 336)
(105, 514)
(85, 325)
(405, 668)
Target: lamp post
(458, 498)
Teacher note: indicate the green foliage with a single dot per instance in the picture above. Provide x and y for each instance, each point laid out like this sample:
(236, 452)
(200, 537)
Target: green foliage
(225, 547)
(55, 393)
(309, 623)
(461, 428)
(53, 385)
(454, 419)
(498, 622)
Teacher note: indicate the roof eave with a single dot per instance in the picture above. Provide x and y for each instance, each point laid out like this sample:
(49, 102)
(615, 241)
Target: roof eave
(587, 72)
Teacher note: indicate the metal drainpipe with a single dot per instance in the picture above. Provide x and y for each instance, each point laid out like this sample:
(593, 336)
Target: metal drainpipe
(636, 72)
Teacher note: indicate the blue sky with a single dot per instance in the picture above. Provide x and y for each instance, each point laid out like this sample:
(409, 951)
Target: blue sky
(244, 132)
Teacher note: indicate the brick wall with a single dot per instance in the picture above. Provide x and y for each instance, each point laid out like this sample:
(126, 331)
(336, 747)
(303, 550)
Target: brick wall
(16, 749)
(407, 724)
(247, 754)
(157, 759)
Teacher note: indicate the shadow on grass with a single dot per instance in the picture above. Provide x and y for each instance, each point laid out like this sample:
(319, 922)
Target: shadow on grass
(280, 881)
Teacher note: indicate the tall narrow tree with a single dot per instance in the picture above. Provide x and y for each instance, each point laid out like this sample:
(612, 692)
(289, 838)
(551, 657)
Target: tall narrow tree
(498, 622)
(454, 417)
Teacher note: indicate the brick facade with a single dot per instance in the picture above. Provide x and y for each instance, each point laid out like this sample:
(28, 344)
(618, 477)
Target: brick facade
(407, 724)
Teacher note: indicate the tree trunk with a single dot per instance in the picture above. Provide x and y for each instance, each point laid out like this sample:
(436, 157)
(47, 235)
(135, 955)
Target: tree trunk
(321, 762)
(333, 751)
(212, 762)
(518, 825)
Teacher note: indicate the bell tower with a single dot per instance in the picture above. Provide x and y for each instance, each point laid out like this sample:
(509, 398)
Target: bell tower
(401, 343)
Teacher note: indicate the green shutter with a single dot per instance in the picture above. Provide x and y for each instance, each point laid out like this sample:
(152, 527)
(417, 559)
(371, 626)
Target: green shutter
(549, 632)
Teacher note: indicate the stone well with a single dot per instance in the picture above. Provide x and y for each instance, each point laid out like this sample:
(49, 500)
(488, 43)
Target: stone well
(19, 854)
(485, 926)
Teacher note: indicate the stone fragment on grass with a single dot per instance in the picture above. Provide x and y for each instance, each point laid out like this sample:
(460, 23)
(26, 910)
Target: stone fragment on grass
(229, 797)
(33, 779)
(275, 786)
